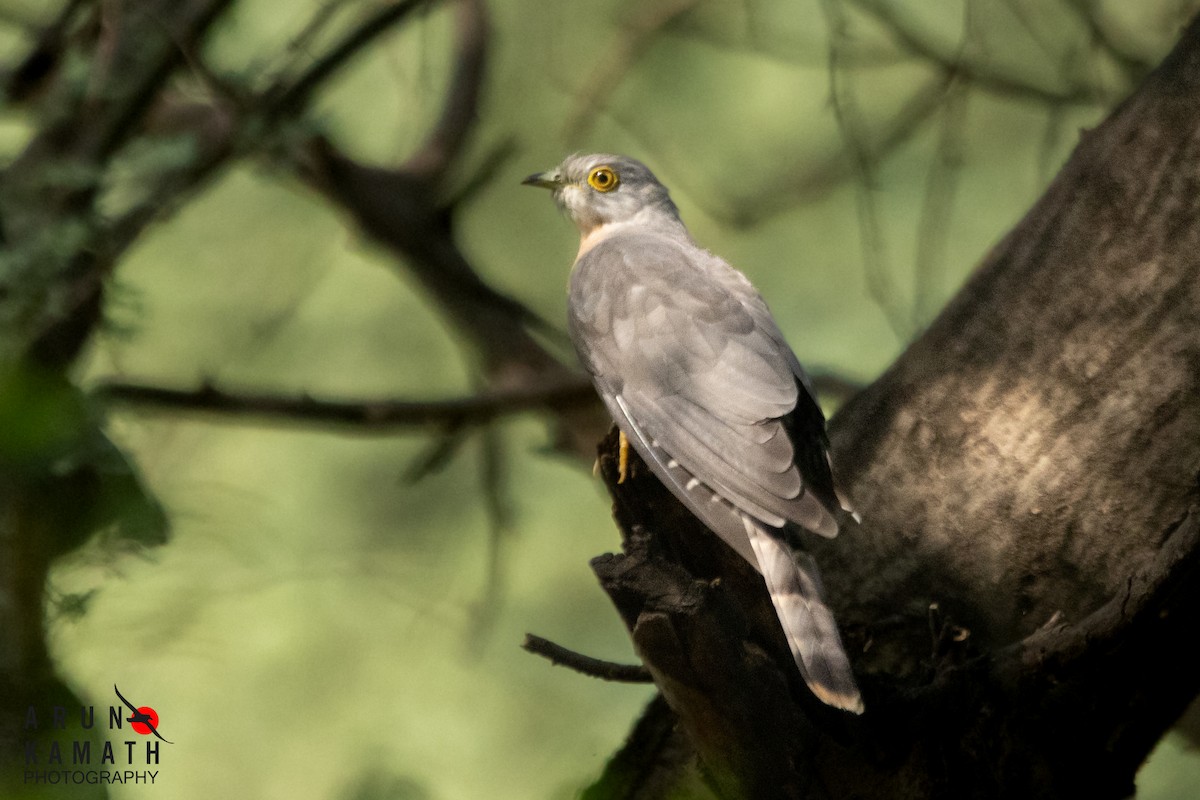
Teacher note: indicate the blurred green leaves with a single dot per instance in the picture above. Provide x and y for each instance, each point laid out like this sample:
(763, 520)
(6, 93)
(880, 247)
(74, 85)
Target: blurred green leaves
(51, 443)
(44, 420)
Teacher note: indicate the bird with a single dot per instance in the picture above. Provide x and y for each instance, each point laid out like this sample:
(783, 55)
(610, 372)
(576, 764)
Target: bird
(699, 379)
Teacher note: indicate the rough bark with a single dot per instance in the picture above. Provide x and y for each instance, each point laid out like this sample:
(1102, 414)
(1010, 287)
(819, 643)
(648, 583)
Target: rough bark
(1020, 597)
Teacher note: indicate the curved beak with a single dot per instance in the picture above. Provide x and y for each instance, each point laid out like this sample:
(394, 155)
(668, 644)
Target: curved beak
(546, 180)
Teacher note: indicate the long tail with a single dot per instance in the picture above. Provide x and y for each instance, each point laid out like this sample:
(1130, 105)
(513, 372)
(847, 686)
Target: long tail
(795, 588)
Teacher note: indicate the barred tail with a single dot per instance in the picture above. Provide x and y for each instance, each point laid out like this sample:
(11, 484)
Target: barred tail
(795, 588)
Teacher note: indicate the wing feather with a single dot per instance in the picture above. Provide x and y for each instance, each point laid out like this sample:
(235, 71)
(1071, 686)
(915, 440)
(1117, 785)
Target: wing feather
(692, 357)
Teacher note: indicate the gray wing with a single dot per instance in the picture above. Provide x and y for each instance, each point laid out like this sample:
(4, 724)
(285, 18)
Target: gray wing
(695, 371)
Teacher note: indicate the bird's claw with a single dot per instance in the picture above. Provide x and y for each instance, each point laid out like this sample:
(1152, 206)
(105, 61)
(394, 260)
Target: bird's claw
(622, 458)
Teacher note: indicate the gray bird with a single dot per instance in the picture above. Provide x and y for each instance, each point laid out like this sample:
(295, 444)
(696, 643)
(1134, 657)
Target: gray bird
(698, 377)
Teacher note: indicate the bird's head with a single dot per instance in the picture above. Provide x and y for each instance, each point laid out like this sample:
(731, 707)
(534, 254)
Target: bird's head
(599, 189)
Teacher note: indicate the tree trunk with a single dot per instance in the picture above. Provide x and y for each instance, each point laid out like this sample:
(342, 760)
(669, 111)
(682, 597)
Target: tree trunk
(1019, 599)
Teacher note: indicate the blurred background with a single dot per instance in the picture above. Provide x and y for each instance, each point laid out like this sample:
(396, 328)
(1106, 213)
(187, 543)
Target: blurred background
(339, 609)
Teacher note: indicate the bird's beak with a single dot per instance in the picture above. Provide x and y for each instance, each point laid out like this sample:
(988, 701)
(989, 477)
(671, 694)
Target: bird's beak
(546, 180)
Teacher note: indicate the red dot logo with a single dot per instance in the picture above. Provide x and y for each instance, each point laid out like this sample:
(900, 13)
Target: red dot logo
(143, 720)
(142, 727)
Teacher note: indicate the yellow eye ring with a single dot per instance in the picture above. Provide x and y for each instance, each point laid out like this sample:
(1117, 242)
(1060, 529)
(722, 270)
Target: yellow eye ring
(603, 179)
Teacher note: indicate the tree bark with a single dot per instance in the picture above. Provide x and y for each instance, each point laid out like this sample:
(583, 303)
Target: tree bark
(1019, 598)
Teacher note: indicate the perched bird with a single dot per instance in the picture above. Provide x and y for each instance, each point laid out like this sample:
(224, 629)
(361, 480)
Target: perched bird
(698, 377)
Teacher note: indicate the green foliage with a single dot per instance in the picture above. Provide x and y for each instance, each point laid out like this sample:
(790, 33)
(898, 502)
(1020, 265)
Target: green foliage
(54, 452)
(44, 420)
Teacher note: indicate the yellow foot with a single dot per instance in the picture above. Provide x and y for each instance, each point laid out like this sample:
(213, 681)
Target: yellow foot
(622, 458)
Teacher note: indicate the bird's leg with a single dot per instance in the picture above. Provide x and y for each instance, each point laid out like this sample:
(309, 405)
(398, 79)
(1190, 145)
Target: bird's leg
(622, 457)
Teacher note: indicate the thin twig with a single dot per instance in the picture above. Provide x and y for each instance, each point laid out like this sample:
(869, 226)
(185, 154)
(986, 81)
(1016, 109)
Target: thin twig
(1048, 159)
(880, 286)
(1133, 66)
(437, 454)
(300, 45)
(493, 161)
(983, 74)
(859, 54)
(632, 41)
(493, 474)
(941, 186)
(284, 98)
(1049, 45)
(814, 181)
(125, 109)
(448, 137)
(586, 665)
(296, 96)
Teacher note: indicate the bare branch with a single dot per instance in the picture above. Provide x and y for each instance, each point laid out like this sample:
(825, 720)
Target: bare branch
(45, 57)
(1052, 137)
(815, 181)
(1133, 66)
(940, 189)
(857, 54)
(128, 101)
(437, 454)
(370, 415)
(491, 164)
(405, 213)
(302, 43)
(632, 40)
(449, 135)
(494, 485)
(850, 122)
(980, 73)
(586, 665)
(294, 97)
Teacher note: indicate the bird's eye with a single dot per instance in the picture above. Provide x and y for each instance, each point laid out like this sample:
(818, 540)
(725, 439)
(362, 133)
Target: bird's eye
(603, 179)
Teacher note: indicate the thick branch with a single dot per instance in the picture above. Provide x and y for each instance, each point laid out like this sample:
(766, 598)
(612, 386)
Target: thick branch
(365, 414)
